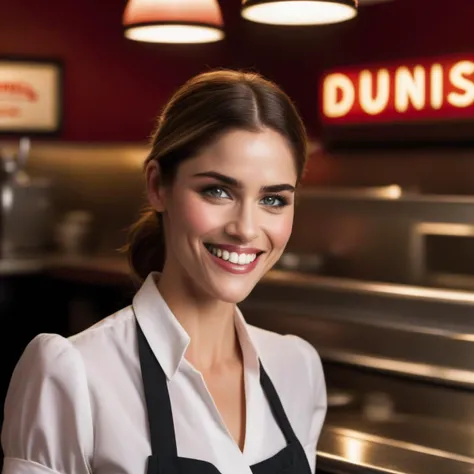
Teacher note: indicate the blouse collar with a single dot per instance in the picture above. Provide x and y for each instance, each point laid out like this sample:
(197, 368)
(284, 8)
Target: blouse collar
(167, 337)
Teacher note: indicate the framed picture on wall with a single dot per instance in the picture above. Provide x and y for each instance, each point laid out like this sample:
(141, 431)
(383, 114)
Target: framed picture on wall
(30, 96)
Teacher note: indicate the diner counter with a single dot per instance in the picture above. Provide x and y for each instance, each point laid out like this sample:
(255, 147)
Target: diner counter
(349, 451)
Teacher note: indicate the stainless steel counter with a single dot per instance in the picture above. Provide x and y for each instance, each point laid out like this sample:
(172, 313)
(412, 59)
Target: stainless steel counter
(302, 280)
(389, 426)
(345, 451)
(452, 441)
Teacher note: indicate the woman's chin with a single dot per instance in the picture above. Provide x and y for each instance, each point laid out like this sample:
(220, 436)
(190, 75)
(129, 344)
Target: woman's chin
(232, 291)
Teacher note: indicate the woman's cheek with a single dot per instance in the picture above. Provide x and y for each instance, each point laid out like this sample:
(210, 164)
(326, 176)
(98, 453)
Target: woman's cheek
(280, 229)
(202, 217)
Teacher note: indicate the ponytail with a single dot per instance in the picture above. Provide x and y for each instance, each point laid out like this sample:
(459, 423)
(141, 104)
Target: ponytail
(145, 247)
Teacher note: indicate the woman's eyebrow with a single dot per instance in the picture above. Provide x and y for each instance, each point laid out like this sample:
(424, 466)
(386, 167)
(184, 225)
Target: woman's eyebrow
(220, 177)
(273, 188)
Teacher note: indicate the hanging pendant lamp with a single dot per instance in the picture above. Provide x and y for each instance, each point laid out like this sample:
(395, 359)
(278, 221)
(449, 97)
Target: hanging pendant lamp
(299, 12)
(173, 21)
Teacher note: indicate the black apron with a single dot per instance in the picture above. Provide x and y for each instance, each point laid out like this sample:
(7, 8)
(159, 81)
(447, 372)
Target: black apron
(164, 458)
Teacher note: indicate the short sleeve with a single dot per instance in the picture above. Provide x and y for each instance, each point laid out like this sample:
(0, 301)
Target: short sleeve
(48, 422)
(318, 406)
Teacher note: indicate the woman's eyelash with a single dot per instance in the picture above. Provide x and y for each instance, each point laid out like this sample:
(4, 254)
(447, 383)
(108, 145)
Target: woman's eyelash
(283, 200)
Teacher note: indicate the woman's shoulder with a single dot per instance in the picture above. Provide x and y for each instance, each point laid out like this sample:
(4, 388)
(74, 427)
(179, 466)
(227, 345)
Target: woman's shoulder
(49, 358)
(288, 355)
(116, 325)
(48, 352)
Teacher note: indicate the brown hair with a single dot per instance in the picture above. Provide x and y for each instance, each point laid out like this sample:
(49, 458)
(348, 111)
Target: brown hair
(200, 111)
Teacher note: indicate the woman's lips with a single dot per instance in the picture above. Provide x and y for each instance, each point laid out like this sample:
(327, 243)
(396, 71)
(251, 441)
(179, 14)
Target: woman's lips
(235, 268)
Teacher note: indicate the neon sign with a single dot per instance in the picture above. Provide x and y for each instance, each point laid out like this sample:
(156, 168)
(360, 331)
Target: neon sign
(417, 91)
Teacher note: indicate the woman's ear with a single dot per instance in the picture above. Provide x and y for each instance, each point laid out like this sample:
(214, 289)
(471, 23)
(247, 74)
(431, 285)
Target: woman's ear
(154, 186)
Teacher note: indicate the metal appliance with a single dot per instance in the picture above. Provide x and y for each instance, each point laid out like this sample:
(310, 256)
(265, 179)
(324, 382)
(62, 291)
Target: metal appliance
(26, 218)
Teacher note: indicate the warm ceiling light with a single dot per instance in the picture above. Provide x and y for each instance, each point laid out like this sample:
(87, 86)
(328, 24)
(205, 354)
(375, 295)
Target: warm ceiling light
(299, 12)
(173, 21)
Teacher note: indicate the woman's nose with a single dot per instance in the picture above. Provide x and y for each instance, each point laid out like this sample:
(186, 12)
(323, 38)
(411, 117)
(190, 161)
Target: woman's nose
(243, 226)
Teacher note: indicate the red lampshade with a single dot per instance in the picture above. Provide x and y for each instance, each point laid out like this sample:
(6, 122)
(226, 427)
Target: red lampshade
(299, 12)
(173, 21)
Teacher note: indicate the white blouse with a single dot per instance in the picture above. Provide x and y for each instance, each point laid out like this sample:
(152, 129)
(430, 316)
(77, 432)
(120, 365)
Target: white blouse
(76, 405)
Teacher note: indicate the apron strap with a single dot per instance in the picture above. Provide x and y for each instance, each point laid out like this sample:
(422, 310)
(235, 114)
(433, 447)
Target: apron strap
(277, 407)
(158, 404)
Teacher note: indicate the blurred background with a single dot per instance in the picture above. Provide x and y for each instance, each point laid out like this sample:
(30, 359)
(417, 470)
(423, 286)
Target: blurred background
(379, 273)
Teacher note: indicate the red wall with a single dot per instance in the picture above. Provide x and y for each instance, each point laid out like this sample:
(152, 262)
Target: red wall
(114, 87)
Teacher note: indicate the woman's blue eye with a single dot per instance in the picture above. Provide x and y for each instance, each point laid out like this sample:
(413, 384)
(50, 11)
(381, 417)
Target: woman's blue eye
(216, 192)
(274, 201)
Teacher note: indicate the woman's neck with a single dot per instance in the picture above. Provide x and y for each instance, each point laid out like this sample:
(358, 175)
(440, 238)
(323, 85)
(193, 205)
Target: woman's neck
(208, 322)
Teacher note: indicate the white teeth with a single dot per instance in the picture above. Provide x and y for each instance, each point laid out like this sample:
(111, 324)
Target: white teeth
(233, 257)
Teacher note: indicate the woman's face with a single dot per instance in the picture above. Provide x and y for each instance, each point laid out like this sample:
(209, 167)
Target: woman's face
(229, 213)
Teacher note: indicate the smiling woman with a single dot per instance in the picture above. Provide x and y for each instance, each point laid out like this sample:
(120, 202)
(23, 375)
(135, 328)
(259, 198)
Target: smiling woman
(178, 382)
(236, 196)
(196, 122)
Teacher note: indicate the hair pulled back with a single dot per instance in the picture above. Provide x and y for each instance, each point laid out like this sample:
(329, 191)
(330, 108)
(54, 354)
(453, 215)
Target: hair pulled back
(201, 110)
